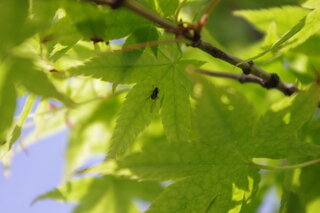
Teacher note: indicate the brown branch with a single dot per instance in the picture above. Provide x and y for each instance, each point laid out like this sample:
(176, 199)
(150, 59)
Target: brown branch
(242, 78)
(114, 4)
(131, 47)
(270, 80)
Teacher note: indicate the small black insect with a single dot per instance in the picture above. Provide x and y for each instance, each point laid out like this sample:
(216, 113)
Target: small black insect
(154, 94)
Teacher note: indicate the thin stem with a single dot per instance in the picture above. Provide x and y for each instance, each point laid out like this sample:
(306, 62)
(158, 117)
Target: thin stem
(205, 16)
(176, 15)
(297, 166)
(148, 44)
(242, 78)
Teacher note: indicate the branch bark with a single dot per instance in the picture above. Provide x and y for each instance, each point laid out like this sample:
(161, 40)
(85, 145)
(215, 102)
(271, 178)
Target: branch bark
(242, 78)
(270, 80)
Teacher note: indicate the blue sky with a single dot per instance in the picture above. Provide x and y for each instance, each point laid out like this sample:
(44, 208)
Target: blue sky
(33, 173)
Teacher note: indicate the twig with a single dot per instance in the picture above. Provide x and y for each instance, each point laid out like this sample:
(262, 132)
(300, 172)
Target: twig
(147, 44)
(205, 17)
(271, 80)
(242, 78)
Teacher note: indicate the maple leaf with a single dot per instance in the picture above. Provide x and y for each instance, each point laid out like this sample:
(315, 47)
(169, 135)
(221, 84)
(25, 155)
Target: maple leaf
(214, 173)
(95, 194)
(165, 71)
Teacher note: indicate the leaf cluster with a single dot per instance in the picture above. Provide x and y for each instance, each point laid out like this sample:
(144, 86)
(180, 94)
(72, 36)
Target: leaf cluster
(169, 138)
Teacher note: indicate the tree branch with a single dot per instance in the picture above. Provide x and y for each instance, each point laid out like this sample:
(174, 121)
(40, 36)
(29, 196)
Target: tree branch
(271, 80)
(192, 36)
(242, 78)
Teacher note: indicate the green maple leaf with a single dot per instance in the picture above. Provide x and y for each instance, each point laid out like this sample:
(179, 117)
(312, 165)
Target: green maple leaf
(311, 4)
(301, 190)
(308, 189)
(135, 114)
(8, 97)
(176, 108)
(11, 35)
(102, 22)
(16, 129)
(90, 133)
(44, 12)
(143, 35)
(303, 29)
(137, 111)
(167, 7)
(107, 194)
(276, 133)
(20, 71)
(26, 75)
(214, 174)
(202, 168)
(261, 19)
(164, 71)
(164, 8)
(121, 67)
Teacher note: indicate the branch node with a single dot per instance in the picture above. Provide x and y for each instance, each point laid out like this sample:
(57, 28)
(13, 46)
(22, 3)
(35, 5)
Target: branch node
(96, 40)
(115, 4)
(242, 79)
(272, 82)
(195, 43)
(289, 90)
(247, 70)
(196, 36)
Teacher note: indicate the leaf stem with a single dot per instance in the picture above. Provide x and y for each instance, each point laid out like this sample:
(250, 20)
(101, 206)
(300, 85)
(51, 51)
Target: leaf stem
(131, 47)
(296, 166)
(242, 78)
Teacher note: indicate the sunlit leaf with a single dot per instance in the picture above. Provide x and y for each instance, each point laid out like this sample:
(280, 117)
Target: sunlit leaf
(225, 123)
(121, 67)
(16, 11)
(90, 135)
(168, 7)
(276, 132)
(261, 19)
(298, 34)
(311, 4)
(101, 22)
(143, 36)
(95, 194)
(26, 74)
(7, 101)
(16, 129)
(135, 114)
